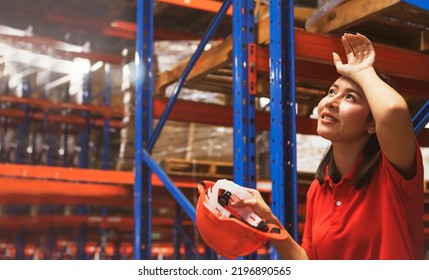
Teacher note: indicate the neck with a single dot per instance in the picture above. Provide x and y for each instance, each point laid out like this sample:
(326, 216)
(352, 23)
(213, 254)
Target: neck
(346, 155)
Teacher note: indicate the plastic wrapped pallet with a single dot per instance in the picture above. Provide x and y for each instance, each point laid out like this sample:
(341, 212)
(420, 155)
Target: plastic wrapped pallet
(324, 7)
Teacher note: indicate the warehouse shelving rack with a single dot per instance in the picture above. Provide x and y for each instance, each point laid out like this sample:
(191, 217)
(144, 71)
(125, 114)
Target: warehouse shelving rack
(311, 64)
(244, 71)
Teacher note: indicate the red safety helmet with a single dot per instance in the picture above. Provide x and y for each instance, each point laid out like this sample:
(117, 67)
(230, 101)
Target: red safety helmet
(231, 232)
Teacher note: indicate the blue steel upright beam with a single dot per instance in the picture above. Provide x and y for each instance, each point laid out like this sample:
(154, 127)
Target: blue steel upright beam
(85, 133)
(65, 130)
(4, 124)
(52, 243)
(283, 116)
(106, 128)
(81, 242)
(424, 4)
(244, 90)
(3, 127)
(20, 244)
(143, 130)
(24, 127)
(243, 101)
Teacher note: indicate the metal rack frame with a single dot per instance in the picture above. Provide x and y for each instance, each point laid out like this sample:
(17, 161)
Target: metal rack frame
(244, 71)
(283, 115)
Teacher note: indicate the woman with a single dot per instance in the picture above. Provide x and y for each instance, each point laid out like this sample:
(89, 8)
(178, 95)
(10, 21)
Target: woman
(367, 199)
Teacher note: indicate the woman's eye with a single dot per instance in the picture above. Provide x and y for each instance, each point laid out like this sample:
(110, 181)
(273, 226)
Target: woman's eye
(331, 91)
(351, 97)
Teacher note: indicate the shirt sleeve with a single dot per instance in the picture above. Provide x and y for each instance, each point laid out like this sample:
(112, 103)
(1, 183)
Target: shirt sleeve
(411, 198)
(412, 187)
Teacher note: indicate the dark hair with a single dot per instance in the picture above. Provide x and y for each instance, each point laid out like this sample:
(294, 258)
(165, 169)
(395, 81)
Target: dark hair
(371, 157)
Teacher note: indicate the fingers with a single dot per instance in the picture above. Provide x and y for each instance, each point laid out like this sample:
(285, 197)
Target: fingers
(338, 63)
(347, 47)
(361, 46)
(248, 201)
(256, 203)
(244, 202)
(367, 42)
(337, 59)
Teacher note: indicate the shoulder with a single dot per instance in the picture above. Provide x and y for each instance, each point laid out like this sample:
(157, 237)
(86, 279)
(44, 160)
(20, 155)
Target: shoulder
(388, 167)
(413, 184)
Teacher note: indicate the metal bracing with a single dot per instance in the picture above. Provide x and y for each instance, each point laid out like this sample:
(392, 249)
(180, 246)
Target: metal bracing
(283, 116)
(421, 118)
(207, 36)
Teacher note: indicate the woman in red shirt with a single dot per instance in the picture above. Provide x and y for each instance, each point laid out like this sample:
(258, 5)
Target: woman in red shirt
(367, 199)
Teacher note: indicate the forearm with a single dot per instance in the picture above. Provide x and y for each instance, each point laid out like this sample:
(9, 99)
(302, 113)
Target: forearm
(393, 123)
(287, 249)
(388, 107)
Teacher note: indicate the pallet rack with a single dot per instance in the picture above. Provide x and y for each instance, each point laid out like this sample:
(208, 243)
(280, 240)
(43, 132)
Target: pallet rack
(312, 64)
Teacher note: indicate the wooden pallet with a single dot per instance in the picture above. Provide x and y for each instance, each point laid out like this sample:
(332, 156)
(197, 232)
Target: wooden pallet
(402, 23)
(198, 168)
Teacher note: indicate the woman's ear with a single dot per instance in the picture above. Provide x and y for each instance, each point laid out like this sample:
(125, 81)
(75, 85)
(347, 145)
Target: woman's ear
(371, 128)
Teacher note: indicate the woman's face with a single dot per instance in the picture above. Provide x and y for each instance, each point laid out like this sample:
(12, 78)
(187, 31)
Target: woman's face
(344, 113)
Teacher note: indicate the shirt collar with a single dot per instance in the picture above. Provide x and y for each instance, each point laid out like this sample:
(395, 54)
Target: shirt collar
(349, 176)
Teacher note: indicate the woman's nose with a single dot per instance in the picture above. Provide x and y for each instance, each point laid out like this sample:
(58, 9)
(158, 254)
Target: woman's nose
(331, 102)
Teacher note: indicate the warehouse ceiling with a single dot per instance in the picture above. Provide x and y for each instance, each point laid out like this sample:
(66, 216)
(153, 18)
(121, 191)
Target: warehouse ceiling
(104, 26)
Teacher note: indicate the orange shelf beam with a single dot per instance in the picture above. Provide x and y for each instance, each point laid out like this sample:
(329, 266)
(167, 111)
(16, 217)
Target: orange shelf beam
(125, 202)
(123, 224)
(79, 175)
(204, 5)
(74, 120)
(67, 174)
(314, 64)
(127, 30)
(33, 182)
(59, 48)
(412, 64)
(46, 184)
(29, 187)
(47, 105)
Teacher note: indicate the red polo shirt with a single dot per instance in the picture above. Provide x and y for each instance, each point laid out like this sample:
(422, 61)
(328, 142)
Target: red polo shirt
(383, 220)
